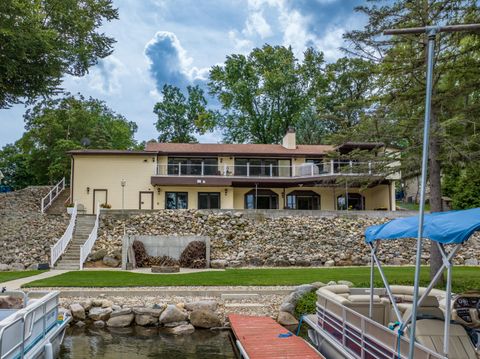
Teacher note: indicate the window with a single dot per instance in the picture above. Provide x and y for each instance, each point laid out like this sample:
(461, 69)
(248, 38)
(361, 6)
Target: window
(354, 201)
(256, 167)
(208, 200)
(261, 199)
(176, 200)
(308, 200)
(318, 162)
(192, 166)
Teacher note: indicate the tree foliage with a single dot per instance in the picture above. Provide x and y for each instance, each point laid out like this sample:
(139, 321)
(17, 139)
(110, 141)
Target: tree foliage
(266, 92)
(54, 127)
(41, 41)
(180, 117)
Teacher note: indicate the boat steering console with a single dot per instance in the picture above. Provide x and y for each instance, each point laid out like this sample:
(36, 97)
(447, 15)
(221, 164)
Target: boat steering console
(466, 309)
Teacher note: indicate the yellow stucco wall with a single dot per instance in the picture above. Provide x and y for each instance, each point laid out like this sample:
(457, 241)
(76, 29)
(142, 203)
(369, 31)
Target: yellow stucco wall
(106, 172)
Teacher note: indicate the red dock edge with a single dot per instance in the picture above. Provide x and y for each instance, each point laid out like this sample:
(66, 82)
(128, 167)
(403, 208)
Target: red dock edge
(260, 340)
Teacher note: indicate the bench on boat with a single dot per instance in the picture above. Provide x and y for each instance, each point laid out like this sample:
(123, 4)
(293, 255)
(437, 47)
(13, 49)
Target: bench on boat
(429, 332)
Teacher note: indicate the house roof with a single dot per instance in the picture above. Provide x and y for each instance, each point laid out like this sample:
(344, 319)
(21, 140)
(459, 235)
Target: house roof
(236, 149)
(110, 152)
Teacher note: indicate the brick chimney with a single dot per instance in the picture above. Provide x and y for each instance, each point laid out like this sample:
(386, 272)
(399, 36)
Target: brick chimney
(289, 140)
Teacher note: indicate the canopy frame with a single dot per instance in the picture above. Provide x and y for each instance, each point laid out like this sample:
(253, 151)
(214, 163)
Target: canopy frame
(447, 263)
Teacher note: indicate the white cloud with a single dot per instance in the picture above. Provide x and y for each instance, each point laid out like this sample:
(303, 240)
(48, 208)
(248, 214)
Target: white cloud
(241, 45)
(106, 76)
(256, 24)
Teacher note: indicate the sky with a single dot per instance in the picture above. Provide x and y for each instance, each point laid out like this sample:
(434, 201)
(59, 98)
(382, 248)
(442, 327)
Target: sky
(177, 41)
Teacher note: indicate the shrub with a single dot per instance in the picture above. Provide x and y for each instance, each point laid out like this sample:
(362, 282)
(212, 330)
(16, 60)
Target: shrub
(306, 304)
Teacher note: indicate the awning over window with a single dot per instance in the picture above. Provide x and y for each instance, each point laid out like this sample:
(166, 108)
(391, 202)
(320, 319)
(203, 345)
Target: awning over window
(443, 227)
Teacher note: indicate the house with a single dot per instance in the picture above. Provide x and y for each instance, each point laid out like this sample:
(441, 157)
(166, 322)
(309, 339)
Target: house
(231, 176)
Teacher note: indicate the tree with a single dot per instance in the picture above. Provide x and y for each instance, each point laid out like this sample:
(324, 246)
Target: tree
(180, 117)
(401, 61)
(54, 127)
(41, 41)
(266, 92)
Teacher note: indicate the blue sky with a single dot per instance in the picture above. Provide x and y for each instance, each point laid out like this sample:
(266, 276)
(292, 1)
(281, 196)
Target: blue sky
(177, 41)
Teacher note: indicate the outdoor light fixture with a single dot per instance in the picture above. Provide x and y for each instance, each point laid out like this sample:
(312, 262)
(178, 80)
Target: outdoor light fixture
(159, 190)
(123, 183)
(88, 190)
(226, 191)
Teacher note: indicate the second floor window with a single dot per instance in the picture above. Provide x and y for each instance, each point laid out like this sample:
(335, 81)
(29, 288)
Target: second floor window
(192, 166)
(256, 167)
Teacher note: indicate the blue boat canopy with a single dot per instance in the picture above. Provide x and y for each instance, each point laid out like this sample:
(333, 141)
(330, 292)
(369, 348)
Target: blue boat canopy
(451, 227)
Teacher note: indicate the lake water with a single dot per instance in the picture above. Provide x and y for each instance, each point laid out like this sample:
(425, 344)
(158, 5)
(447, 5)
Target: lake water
(139, 343)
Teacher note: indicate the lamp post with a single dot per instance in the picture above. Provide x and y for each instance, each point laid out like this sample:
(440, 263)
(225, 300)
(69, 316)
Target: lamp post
(123, 183)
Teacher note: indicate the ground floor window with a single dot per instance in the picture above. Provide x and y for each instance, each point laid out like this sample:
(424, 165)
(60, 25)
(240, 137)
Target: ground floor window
(308, 200)
(208, 200)
(176, 200)
(261, 199)
(354, 201)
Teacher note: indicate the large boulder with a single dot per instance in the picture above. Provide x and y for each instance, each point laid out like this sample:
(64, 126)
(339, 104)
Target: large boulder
(285, 318)
(182, 329)
(78, 312)
(172, 314)
(202, 304)
(287, 307)
(111, 262)
(17, 266)
(117, 313)
(202, 318)
(218, 263)
(154, 312)
(121, 321)
(4, 267)
(97, 313)
(98, 255)
(145, 320)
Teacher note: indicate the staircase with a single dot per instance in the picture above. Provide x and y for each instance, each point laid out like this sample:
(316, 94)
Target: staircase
(58, 205)
(71, 258)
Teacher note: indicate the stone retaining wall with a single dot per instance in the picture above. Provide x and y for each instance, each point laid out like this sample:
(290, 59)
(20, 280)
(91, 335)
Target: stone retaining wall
(239, 239)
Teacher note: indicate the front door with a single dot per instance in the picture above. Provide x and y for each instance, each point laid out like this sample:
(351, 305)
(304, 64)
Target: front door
(99, 196)
(146, 200)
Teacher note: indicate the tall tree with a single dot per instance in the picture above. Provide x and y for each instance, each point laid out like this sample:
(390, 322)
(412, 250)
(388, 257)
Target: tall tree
(402, 61)
(180, 117)
(41, 41)
(55, 126)
(266, 92)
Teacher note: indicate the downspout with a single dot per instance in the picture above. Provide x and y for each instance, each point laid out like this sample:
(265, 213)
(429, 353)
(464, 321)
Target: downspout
(72, 174)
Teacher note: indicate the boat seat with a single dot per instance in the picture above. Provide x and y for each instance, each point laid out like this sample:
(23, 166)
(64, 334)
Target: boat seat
(429, 333)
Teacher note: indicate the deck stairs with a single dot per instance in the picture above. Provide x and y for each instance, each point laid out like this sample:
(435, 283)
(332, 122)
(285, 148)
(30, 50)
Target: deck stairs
(58, 205)
(71, 258)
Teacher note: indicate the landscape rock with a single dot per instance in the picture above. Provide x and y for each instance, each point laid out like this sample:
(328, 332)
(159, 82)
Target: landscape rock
(203, 304)
(120, 321)
(145, 320)
(117, 313)
(305, 288)
(111, 262)
(285, 318)
(33, 266)
(80, 324)
(202, 318)
(97, 313)
(318, 284)
(17, 266)
(99, 323)
(182, 329)
(218, 264)
(78, 312)
(287, 307)
(154, 312)
(4, 267)
(471, 262)
(175, 324)
(98, 255)
(172, 314)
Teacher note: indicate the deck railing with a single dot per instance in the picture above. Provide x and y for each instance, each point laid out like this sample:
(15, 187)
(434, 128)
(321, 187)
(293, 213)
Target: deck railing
(58, 248)
(50, 197)
(86, 248)
(333, 167)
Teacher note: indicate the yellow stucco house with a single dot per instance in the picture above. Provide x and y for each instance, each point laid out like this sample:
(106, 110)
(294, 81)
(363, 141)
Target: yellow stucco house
(230, 176)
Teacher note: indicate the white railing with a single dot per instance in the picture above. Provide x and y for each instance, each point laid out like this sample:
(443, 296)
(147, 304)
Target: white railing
(88, 245)
(58, 248)
(50, 197)
(326, 168)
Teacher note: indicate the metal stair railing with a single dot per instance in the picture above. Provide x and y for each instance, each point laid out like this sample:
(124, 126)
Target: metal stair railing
(50, 197)
(86, 248)
(58, 248)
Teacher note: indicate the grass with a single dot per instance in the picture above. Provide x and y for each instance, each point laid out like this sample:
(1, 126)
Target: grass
(412, 206)
(464, 277)
(6, 276)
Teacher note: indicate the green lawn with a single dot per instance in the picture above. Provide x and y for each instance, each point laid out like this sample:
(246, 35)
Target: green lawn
(6, 276)
(464, 277)
(412, 206)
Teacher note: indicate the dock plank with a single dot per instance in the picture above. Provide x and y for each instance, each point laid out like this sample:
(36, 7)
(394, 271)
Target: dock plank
(259, 337)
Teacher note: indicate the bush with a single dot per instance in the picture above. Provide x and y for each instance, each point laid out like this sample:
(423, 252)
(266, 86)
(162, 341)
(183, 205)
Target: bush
(194, 255)
(306, 304)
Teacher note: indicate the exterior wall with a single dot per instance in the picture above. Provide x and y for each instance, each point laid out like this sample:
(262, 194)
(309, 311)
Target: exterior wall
(106, 172)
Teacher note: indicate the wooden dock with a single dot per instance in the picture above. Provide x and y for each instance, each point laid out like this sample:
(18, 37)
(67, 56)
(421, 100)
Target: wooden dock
(259, 338)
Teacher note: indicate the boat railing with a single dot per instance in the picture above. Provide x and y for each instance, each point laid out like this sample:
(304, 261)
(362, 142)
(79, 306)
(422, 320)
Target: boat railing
(30, 325)
(86, 248)
(361, 336)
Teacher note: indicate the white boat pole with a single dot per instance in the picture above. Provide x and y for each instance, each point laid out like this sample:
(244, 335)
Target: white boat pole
(372, 271)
